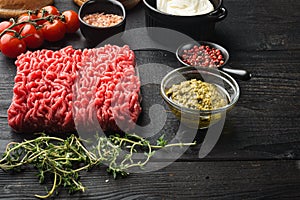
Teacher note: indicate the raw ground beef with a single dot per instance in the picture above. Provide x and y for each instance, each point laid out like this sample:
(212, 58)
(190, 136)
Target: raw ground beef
(57, 91)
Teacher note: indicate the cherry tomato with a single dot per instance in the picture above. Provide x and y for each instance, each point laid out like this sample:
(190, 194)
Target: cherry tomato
(33, 38)
(11, 46)
(26, 17)
(4, 25)
(48, 10)
(54, 31)
(18, 27)
(45, 11)
(71, 21)
(22, 18)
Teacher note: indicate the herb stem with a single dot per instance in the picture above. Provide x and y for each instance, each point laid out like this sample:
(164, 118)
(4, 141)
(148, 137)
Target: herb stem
(51, 191)
(65, 159)
(174, 145)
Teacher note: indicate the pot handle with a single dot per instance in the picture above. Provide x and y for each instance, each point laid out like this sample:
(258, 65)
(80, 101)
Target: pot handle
(219, 14)
(238, 73)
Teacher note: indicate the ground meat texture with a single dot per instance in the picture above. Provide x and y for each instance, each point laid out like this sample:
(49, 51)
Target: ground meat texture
(107, 84)
(56, 90)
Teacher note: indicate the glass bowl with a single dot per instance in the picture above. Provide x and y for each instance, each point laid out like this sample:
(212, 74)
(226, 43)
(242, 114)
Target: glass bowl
(194, 118)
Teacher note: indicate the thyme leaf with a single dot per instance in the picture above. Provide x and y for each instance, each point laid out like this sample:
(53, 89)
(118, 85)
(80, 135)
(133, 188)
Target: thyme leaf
(63, 160)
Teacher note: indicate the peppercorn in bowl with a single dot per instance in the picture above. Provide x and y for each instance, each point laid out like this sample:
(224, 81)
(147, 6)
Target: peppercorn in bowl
(208, 54)
(101, 19)
(202, 53)
(199, 96)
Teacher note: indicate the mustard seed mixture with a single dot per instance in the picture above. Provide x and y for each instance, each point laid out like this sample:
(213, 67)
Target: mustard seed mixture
(102, 20)
(196, 94)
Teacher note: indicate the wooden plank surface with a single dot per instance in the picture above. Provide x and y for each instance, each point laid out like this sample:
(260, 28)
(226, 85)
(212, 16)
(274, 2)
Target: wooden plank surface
(180, 180)
(263, 125)
(257, 156)
(260, 25)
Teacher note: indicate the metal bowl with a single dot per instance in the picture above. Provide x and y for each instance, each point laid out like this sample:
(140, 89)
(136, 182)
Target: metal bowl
(236, 73)
(199, 27)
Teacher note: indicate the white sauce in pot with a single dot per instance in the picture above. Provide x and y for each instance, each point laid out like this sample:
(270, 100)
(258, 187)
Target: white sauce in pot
(185, 7)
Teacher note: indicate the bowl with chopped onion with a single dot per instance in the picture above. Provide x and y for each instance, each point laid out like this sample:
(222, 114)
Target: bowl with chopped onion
(101, 19)
(199, 96)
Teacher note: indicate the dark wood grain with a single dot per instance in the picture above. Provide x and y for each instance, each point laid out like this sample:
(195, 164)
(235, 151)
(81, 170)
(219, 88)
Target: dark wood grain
(263, 125)
(265, 111)
(180, 180)
(257, 155)
(260, 25)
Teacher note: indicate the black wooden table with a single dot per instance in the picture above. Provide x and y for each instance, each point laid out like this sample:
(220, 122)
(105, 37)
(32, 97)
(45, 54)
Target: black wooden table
(257, 155)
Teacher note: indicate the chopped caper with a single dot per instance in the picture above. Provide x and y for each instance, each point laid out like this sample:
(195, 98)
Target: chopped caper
(196, 94)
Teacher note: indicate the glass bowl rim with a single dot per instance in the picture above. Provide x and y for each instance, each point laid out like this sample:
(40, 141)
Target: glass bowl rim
(226, 77)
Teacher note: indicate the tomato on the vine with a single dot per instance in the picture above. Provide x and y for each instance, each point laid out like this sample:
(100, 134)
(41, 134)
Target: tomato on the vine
(26, 17)
(22, 18)
(54, 31)
(4, 25)
(45, 11)
(33, 38)
(11, 46)
(31, 29)
(71, 21)
(48, 10)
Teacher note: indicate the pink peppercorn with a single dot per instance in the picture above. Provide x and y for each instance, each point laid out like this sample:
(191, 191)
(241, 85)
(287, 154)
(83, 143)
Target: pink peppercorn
(203, 55)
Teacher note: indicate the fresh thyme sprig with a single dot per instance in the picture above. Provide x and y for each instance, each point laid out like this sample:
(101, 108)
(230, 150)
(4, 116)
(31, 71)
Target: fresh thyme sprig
(65, 159)
(50, 155)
